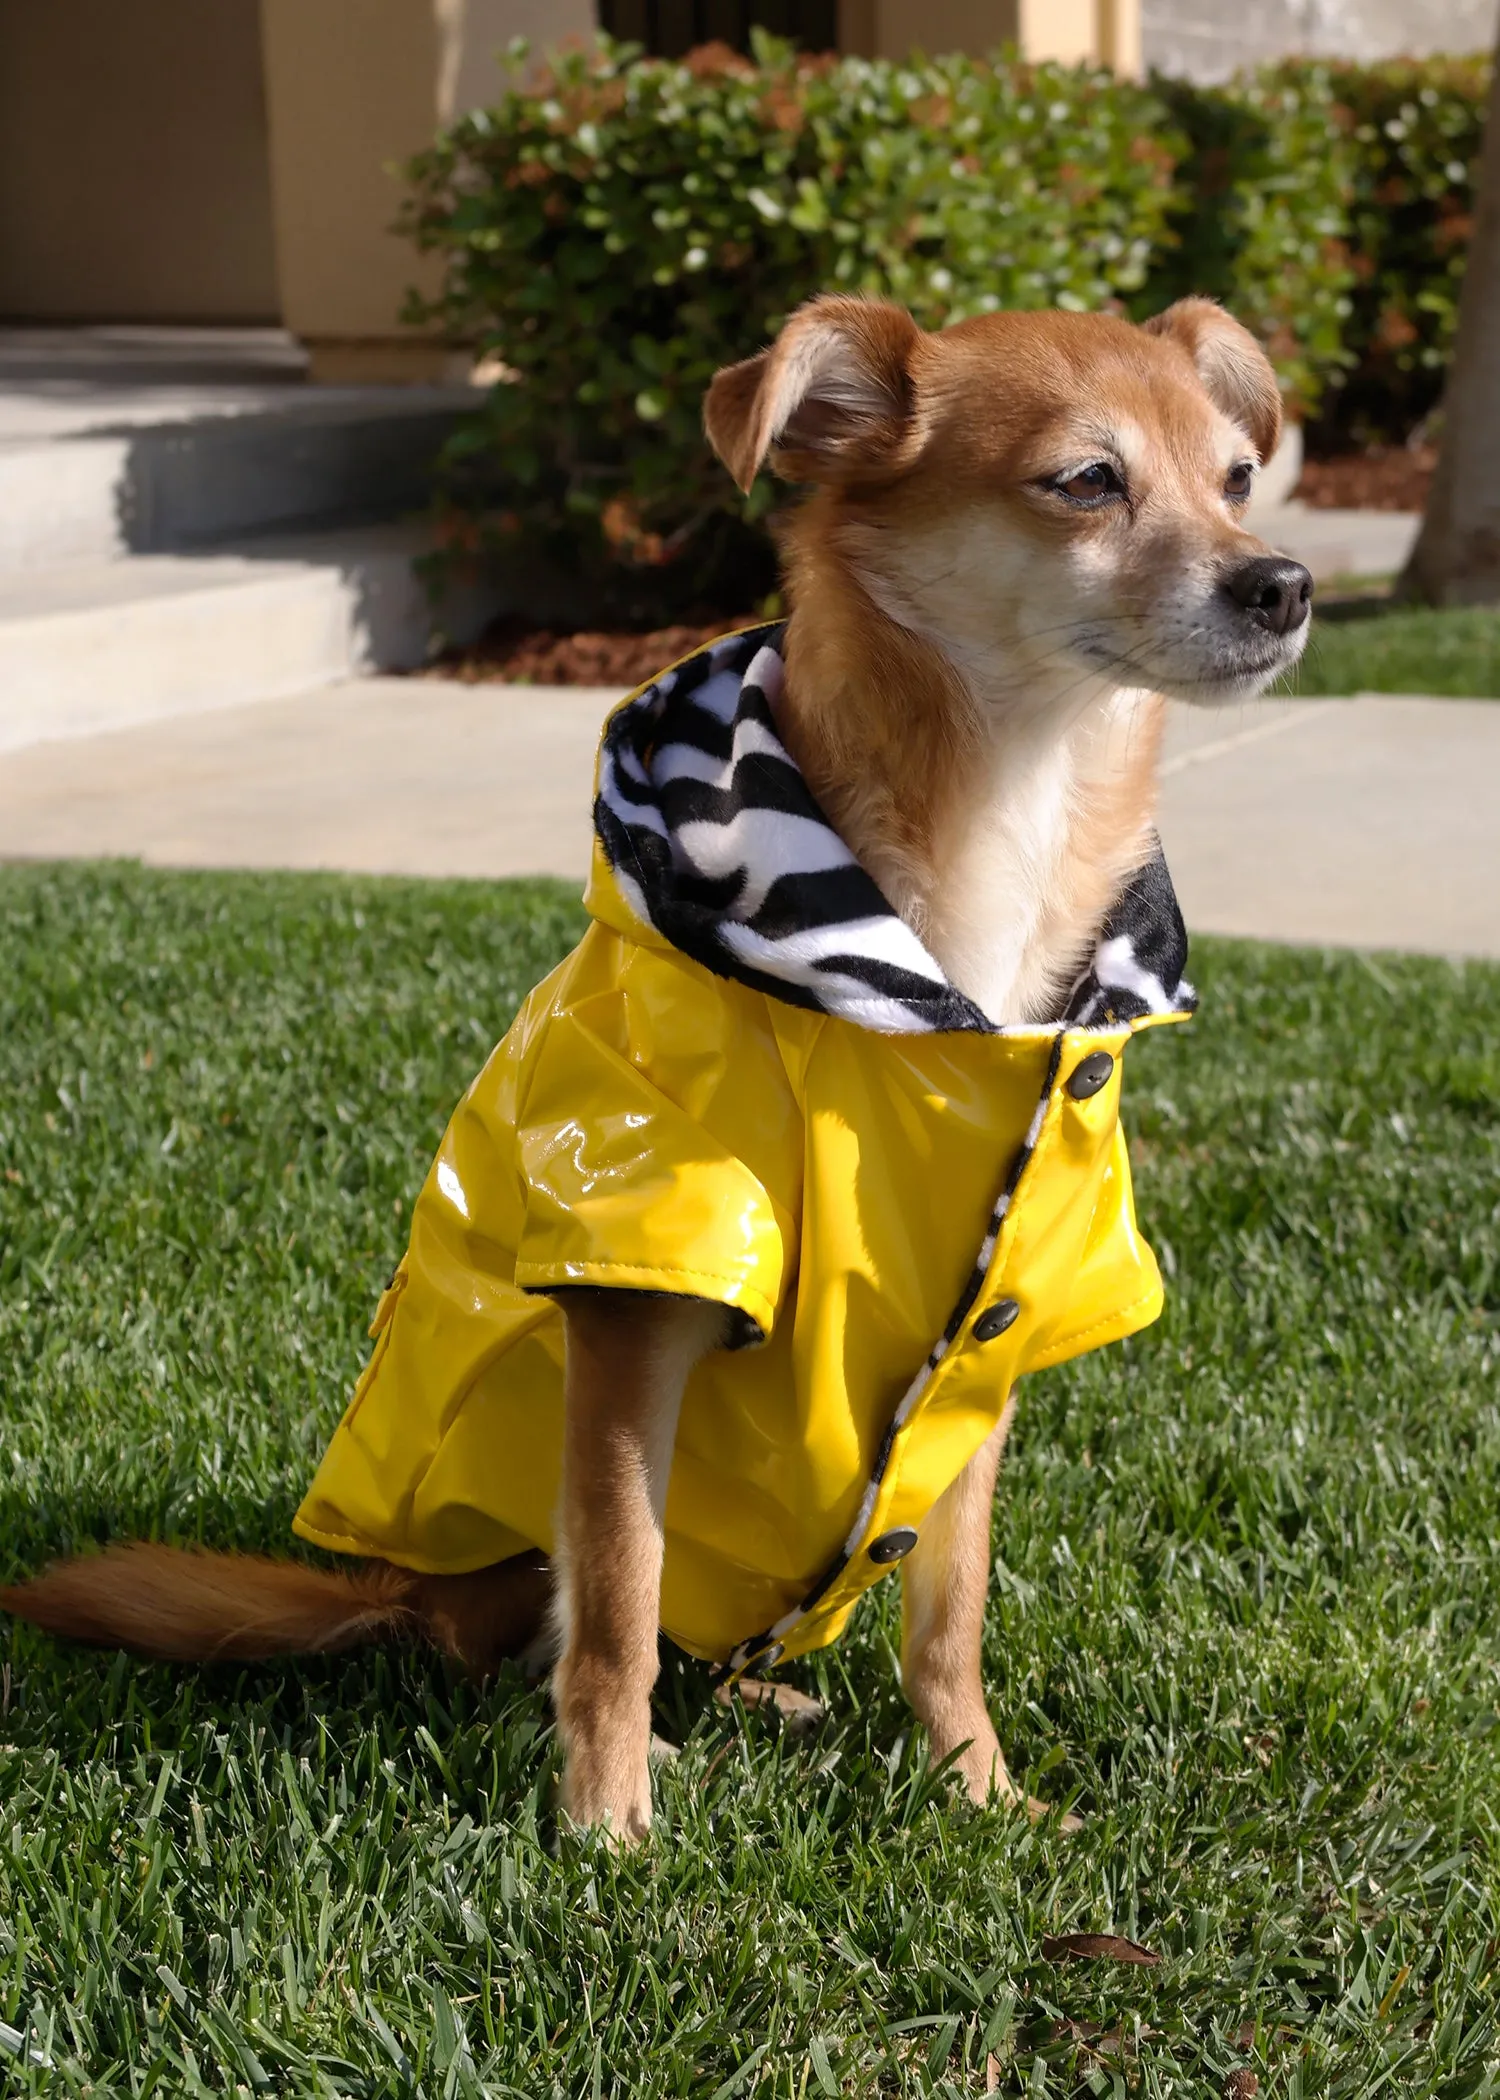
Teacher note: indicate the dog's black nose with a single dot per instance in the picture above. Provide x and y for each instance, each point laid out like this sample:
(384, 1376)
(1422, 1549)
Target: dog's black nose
(1276, 593)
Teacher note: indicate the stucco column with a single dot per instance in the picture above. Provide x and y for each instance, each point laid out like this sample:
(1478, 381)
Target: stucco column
(352, 87)
(1120, 37)
(1062, 29)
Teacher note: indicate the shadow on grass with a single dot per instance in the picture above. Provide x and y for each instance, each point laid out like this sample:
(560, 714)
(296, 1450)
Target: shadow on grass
(74, 1701)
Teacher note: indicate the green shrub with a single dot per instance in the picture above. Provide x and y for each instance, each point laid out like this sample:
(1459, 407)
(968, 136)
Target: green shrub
(1264, 196)
(1329, 205)
(1415, 128)
(617, 234)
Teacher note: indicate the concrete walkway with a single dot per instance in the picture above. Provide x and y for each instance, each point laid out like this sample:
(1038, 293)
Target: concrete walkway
(386, 775)
(1341, 543)
(1373, 822)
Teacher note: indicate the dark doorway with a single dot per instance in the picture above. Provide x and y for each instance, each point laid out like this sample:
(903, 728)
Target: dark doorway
(667, 28)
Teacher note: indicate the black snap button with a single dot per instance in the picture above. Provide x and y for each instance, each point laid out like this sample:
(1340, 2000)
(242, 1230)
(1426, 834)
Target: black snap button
(892, 1545)
(1089, 1074)
(995, 1319)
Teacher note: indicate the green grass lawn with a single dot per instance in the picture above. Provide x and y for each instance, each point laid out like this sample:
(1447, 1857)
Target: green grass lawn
(1371, 646)
(1246, 1614)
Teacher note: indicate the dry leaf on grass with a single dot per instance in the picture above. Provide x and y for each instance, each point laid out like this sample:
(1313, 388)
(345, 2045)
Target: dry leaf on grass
(1091, 2036)
(1095, 1946)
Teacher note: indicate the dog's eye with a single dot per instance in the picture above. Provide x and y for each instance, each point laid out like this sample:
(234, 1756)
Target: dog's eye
(1091, 485)
(1238, 481)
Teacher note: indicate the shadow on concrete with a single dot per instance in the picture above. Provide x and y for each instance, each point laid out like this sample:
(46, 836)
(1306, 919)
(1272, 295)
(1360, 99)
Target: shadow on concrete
(315, 463)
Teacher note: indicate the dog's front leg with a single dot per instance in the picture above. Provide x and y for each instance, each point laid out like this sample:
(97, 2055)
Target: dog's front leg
(628, 1360)
(944, 1582)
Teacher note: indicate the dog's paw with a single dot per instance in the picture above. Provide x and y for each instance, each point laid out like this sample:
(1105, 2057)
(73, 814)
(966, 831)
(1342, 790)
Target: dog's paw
(980, 1769)
(1039, 1811)
(620, 1816)
(607, 1789)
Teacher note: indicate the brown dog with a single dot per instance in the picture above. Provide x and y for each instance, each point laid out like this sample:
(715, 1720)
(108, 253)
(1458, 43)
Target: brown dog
(1022, 532)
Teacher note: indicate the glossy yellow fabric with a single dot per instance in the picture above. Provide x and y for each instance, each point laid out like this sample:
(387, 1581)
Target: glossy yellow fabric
(645, 1124)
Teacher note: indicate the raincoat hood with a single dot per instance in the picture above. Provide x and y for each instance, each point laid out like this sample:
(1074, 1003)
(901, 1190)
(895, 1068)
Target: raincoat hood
(751, 1083)
(709, 836)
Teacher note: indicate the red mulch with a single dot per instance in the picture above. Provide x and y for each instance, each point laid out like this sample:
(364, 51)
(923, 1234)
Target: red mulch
(512, 653)
(1387, 477)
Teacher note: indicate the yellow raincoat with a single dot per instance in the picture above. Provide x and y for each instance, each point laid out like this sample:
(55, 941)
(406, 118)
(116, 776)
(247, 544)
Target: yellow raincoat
(750, 1083)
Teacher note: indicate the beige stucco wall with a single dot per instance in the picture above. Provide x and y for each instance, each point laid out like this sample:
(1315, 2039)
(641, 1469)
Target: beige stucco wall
(343, 106)
(134, 181)
(345, 109)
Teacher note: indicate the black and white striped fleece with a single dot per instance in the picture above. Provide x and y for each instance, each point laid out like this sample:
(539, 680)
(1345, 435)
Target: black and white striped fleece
(714, 838)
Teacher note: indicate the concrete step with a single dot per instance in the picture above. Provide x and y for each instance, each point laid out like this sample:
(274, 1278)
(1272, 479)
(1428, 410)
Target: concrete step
(147, 354)
(93, 470)
(92, 647)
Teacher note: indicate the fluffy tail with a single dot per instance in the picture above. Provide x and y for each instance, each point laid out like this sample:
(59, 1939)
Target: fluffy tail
(187, 1606)
(184, 1605)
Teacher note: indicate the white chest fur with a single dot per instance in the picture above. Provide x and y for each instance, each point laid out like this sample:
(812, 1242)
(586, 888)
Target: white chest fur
(1013, 908)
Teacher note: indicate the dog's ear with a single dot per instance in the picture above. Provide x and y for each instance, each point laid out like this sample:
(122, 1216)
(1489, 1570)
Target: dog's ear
(832, 397)
(1235, 371)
